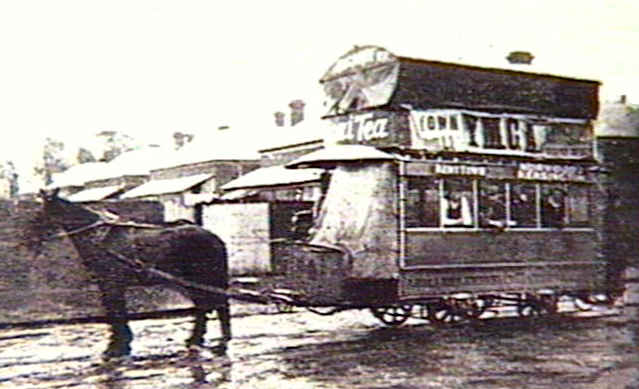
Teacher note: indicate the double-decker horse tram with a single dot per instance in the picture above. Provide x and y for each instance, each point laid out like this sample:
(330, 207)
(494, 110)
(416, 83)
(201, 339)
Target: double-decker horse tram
(454, 190)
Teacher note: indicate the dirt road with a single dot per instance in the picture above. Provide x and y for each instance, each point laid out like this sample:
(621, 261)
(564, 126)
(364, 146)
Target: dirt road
(346, 350)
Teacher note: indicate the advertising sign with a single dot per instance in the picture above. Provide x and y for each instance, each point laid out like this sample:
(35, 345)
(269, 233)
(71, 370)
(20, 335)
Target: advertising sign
(365, 77)
(376, 128)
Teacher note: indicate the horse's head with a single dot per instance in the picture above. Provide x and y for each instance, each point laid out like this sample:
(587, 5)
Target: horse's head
(56, 214)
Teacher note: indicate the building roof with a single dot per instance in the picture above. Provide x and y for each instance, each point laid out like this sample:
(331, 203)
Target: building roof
(138, 162)
(77, 175)
(227, 144)
(166, 186)
(273, 176)
(306, 131)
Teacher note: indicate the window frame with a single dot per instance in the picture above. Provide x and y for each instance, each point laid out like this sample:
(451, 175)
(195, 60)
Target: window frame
(508, 187)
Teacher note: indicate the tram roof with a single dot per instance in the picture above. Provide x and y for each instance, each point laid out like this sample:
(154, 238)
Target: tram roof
(331, 155)
(371, 76)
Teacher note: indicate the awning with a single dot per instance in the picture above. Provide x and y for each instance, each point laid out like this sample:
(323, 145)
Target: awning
(94, 194)
(331, 155)
(167, 186)
(273, 176)
(237, 194)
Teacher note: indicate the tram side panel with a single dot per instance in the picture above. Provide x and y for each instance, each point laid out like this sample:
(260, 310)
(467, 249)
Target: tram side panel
(440, 263)
(489, 232)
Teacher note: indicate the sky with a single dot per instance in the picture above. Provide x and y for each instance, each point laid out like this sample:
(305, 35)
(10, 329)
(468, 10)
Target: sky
(71, 69)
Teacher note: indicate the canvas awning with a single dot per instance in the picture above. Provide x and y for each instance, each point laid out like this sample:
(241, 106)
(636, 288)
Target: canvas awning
(273, 176)
(94, 194)
(166, 186)
(331, 155)
(237, 194)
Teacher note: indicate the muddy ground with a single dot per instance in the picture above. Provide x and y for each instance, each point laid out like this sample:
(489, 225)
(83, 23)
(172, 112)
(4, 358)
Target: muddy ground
(297, 350)
(347, 350)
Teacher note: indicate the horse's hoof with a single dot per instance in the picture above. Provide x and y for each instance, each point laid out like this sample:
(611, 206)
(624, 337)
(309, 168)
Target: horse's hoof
(220, 349)
(116, 359)
(116, 355)
(194, 350)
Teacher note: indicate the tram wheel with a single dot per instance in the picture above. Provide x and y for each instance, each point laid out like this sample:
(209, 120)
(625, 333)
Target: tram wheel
(538, 305)
(444, 314)
(582, 304)
(527, 309)
(394, 315)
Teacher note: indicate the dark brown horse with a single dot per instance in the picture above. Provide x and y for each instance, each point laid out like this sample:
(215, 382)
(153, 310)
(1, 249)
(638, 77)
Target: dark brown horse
(186, 252)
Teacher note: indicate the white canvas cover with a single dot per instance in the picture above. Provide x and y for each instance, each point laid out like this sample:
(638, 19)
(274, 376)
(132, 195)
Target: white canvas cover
(359, 214)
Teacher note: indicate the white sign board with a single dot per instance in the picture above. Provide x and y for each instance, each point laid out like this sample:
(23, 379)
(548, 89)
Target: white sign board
(245, 230)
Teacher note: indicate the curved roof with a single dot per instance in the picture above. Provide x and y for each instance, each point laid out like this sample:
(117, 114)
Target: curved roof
(332, 155)
(370, 76)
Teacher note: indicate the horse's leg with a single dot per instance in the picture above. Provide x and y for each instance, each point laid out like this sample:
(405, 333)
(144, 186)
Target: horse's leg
(203, 305)
(224, 316)
(199, 327)
(114, 303)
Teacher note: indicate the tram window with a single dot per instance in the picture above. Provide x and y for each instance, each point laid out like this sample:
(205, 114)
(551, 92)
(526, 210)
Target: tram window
(422, 202)
(470, 125)
(578, 204)
(529, 136)
(441, 120)
(523, 205)
(453, 122)
(492, 204)
(457, 203)
(553, 207)
(492, 133)
(512, 134)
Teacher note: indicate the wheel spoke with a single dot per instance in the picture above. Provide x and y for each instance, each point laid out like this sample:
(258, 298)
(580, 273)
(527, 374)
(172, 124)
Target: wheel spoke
(393, 315)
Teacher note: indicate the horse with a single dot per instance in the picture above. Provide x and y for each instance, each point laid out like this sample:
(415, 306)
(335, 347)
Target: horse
(163, 253)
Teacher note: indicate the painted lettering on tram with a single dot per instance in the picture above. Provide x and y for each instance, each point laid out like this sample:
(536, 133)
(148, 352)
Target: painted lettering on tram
(363, 128)
(461, 170)
(542, 172)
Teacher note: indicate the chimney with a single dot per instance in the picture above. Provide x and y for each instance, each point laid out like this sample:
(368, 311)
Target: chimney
(181, 139)
(297, 111)
(279, 119)
(520, 58)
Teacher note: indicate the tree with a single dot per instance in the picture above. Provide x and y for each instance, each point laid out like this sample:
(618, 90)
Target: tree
(115, 143)
(85, 156)
(9, 177)
(53, 160)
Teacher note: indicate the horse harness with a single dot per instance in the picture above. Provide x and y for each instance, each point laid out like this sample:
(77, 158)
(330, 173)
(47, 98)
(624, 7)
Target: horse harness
(139, 266)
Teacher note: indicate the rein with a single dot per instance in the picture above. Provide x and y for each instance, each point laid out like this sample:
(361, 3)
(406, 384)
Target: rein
(103, 221)
(81, 229)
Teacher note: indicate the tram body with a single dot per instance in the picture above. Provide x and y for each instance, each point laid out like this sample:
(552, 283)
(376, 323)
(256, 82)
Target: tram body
(385, 235)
